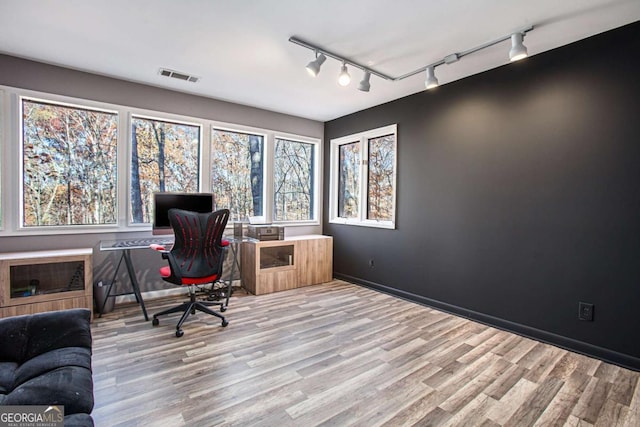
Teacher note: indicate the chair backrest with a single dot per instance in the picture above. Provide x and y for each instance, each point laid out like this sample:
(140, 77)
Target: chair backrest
(197, 251)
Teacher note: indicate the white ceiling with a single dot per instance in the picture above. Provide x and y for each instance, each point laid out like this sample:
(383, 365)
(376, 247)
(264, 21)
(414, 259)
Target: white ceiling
(240, 49)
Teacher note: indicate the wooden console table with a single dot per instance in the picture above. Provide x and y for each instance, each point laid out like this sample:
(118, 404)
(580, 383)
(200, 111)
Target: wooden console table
(33, 282)
(278, 265)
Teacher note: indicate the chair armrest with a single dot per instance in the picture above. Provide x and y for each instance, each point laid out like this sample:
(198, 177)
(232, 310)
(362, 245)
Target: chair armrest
(173, 265)
(157, 247)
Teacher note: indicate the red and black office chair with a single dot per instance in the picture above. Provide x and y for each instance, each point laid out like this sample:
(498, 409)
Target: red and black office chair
(196, 258)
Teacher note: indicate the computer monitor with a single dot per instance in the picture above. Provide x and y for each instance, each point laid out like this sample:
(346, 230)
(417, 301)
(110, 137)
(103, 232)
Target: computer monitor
(162, 202)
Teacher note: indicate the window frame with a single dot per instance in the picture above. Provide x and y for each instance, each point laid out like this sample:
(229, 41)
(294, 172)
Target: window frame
(162, 117)
(270, 137)
(19, 201)
(11, 169)
(317, 186)
(230, 128)
(3, 137)
(362, 138)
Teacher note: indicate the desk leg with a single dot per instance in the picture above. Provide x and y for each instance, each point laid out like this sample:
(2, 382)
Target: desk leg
(134, 281)
(231, 274)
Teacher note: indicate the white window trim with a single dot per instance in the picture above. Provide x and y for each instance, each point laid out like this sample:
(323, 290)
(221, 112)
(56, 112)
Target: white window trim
(11, 157)
(3, 137)
(362, 138)
(317, 185)
(270, 137)
(128, 156)
(71, 103)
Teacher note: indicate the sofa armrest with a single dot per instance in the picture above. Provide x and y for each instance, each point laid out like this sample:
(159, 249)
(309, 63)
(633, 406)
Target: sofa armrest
(39, 333)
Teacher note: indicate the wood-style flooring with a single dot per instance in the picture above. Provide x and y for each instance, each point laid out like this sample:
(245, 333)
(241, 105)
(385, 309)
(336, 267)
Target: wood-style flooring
(338, 354)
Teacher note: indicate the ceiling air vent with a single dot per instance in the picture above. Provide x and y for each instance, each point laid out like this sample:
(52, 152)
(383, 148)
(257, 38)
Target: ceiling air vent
(178, 75)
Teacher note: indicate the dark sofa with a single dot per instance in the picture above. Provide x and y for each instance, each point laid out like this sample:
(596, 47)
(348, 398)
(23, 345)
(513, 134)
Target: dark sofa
(45, 359)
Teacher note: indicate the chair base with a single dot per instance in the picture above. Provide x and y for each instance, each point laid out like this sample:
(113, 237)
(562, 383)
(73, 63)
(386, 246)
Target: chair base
(188, 308)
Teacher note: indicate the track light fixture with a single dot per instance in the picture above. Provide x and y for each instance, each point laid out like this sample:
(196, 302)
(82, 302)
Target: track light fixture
(313, 67)
(431, 80)
(518, 51)
(365, 85)
(344, 78)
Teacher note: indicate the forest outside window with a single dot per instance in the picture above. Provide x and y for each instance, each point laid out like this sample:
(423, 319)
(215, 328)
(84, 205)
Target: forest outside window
(294, 174)
(165, 156)
(68, 165)
(237, 172)
(363, 178)
(83, 166)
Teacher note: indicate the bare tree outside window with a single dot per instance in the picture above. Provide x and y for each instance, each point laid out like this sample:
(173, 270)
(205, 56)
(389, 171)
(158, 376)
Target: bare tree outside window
(165, 156)
(293, 180)
(69, 165)
(237, 172)
(349, 180)
(381, 179)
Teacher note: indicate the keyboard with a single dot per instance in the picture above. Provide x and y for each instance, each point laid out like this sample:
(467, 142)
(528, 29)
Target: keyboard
(138, 243)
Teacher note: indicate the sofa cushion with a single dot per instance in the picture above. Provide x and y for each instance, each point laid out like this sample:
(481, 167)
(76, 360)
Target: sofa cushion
(47, 361)
(35, 334)
(43, 363)
(7, 377)
(78, 420)
(70, 386)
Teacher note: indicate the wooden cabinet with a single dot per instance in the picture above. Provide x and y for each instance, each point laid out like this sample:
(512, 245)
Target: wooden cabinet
(33, 282)
(278, 265)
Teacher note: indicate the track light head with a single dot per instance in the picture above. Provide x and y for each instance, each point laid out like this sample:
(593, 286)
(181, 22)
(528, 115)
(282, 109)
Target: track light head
(518, 50)
(364, 84)
(431, 80)
(344, 78)
(313, 67)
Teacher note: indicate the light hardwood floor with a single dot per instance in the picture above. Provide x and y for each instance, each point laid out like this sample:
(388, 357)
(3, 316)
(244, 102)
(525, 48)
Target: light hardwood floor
(338, 354)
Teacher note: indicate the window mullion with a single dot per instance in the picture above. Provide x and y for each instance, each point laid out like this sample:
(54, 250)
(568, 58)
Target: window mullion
(267, 178)
(124, 164)
(364, 179)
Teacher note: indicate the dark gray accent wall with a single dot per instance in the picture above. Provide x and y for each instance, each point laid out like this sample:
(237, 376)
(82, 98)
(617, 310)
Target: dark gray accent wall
(518, 196)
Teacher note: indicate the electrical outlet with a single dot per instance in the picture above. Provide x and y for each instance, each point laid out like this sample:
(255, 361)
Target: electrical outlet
(371, 265)
(585, 311)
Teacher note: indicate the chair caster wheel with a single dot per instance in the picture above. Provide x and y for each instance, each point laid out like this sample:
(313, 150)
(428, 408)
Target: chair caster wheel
(155, 321)
(179, 333)
(223, 308)
(224, 323)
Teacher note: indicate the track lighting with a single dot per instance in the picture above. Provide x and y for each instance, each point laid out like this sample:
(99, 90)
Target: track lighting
(518, 50)
(344, 78)
(313, 67)
(431, 80)
(365, 85)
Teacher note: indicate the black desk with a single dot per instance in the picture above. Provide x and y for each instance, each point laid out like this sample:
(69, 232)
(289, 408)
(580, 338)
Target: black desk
(125, 246)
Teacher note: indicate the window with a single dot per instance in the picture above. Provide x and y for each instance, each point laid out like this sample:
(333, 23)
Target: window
(83, 166)
(165, 156)
(349, 180)
(293, 175)
(237, 172)
(381, 178)
(1, 150)
(363, 178)
(68, 165)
